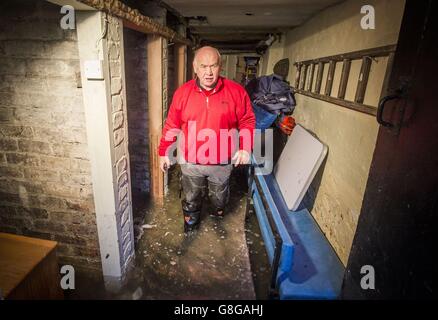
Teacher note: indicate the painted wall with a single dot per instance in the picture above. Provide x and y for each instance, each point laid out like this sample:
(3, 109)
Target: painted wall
(107, 133)
(337, 192)
(229, 64)
(115, 52)
(271, 57)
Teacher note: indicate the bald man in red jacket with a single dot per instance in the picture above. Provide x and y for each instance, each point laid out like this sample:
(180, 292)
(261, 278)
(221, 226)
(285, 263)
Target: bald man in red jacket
(215, 117)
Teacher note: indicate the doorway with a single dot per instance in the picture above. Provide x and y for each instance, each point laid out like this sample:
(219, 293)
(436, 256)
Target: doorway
(138, 130)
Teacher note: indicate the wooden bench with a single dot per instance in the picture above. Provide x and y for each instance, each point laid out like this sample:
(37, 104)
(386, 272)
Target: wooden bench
(28, 268)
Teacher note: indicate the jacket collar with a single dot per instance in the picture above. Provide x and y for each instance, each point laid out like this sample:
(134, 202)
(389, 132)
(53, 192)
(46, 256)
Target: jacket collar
(219, 85)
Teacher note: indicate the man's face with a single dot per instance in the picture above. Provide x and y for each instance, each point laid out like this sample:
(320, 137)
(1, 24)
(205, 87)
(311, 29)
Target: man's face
(207, 68)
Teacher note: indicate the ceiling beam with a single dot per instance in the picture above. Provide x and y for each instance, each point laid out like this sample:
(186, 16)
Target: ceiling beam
(234, 30)
(134, 18)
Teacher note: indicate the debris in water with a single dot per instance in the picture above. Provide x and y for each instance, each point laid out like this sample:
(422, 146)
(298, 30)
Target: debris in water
(148, 226)
(172, 263)
(166, 233)
(137, 294)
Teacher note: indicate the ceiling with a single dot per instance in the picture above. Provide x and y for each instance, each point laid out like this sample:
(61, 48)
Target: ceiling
(242, 24)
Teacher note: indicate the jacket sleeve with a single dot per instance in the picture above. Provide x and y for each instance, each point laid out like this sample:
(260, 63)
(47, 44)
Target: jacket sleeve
(172, 125)
(246, 124)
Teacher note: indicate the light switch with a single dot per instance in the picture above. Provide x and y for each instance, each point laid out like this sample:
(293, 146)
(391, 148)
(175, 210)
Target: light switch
(93, 69)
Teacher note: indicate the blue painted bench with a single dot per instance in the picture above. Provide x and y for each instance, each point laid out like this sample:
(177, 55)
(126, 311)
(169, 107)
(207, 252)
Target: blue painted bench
(304, 264)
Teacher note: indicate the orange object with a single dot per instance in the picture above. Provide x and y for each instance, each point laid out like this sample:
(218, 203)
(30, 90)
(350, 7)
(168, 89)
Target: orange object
(286, 124)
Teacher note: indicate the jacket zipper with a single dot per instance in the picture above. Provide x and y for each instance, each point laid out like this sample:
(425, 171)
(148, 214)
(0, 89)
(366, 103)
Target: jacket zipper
(206, 97)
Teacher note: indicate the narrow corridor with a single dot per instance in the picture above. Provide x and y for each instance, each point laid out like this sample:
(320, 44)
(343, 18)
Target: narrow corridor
(211, 263)
(342, 92)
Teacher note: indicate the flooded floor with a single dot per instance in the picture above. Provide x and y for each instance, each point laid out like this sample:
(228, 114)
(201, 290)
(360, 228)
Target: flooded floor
(223, 259)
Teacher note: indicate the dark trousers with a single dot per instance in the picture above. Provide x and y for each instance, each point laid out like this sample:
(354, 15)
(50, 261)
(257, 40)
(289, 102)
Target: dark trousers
(196, 178)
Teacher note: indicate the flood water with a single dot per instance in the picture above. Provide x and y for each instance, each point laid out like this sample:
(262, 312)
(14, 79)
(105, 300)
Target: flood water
(223, 259)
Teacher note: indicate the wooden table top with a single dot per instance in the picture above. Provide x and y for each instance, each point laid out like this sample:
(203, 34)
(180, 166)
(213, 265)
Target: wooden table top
(18, 257)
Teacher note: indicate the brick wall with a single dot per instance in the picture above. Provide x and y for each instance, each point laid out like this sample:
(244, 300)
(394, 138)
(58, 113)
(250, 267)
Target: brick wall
(45, 178)
(136, 96)
(171, 73)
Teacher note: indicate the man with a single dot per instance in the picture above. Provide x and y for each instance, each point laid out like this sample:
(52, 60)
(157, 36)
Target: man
(207, 110)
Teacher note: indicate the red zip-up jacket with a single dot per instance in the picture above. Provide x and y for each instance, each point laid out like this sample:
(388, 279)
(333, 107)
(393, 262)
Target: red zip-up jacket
(206, 118)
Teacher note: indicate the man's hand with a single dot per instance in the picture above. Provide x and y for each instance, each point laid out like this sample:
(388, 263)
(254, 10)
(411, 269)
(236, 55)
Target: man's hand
(164, 163)
(241, 157)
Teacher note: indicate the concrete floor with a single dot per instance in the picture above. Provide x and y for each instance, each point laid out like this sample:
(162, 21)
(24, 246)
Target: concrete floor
(212, 262)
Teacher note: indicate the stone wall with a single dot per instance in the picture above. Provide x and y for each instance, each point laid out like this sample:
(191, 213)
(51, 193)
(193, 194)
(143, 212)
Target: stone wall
(45, 177)
(115, 46)
(171, 73)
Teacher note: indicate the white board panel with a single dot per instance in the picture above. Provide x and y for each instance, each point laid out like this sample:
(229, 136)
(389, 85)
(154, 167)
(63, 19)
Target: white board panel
(297, 165)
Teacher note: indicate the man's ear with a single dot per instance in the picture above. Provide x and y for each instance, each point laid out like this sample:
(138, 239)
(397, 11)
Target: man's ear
(194, 70)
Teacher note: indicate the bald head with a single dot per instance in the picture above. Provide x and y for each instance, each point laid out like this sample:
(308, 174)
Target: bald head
(207, 51)
(207, 63)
